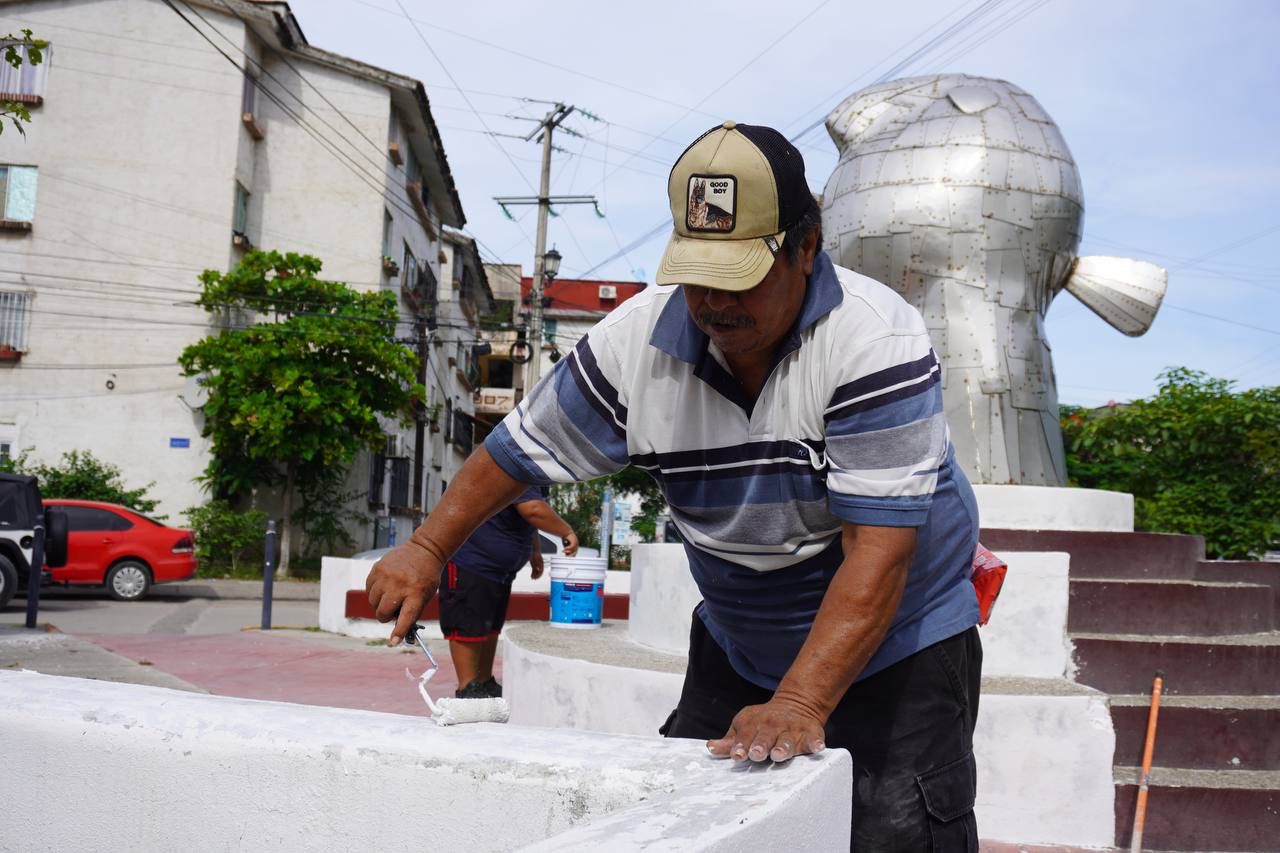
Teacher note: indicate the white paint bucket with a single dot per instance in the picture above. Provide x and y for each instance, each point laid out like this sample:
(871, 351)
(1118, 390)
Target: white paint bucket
(577, 591)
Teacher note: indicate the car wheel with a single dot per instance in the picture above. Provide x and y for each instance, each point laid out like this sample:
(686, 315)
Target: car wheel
(8, 580)
(128, 580)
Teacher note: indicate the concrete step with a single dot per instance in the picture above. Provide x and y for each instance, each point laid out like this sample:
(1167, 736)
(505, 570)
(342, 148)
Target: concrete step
(1185, 607)
(1241, 571)
(1200, 732)
(1202, 809)
(1233, 664)
(1099, 554)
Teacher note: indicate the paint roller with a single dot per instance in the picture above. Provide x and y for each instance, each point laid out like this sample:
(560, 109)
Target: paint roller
(450, 712)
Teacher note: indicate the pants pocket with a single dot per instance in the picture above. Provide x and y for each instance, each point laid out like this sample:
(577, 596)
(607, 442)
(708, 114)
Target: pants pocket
(949, 793)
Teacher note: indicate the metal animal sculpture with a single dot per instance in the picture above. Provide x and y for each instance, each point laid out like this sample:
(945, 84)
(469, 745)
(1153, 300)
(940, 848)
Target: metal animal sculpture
(960, 193)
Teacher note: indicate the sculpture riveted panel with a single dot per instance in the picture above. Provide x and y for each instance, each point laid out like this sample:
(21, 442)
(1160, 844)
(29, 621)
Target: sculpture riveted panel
(960, 193)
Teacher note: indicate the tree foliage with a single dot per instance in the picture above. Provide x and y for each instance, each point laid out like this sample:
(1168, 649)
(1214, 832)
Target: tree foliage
(579, 504)
(1198, 457)
(294, 396)
(82, 476)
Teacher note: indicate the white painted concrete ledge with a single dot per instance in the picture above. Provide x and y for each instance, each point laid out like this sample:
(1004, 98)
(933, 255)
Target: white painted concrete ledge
(1053, 508)
(124, 767)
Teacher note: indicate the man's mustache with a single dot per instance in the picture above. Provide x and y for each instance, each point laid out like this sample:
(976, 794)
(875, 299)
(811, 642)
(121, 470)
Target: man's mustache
(720, 318)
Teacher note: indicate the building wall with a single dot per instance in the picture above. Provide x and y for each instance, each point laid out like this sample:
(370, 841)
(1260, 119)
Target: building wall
(136, 144)
(139, 145)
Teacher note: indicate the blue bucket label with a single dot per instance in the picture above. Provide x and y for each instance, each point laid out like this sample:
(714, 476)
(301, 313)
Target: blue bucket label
(577, 603)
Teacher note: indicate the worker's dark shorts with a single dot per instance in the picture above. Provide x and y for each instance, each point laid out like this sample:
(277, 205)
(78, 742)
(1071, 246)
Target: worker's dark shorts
(909, 728)
(472, 607)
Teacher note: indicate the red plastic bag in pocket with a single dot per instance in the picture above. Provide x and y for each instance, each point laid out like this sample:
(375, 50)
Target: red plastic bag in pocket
(988, 576)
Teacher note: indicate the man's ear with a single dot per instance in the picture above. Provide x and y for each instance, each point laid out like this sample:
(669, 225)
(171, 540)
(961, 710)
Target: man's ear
(809, 250)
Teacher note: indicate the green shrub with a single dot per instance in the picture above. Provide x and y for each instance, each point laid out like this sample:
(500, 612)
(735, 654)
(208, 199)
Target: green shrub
(82, 476)
(225, 536)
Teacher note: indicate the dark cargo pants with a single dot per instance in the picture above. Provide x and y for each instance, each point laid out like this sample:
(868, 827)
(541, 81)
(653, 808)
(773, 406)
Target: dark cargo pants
(909, 729)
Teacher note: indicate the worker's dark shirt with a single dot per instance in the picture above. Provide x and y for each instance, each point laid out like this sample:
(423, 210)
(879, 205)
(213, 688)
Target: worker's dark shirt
(501, 545)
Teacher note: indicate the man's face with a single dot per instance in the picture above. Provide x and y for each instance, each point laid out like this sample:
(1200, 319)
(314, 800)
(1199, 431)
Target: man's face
(753, 322)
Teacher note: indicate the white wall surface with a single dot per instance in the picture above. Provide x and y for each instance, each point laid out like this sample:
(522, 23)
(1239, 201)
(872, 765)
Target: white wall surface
(559, 691)
(1043, 747)
(663, 596)
(1053, 508)
(1027, 634)
(1044, 769)
(167, 771)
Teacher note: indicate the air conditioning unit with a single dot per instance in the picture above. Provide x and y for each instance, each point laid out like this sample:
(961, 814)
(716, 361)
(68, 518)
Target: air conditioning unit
(608, 291)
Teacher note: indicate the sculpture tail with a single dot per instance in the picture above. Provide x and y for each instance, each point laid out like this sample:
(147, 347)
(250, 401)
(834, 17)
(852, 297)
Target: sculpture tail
(1124, 292)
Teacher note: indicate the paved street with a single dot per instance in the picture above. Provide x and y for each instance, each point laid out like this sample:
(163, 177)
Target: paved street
(206, 636)
(197, 609)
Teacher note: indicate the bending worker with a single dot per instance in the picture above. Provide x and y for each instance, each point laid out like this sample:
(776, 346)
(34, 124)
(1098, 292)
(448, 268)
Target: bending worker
(792, 413)
(476, 586)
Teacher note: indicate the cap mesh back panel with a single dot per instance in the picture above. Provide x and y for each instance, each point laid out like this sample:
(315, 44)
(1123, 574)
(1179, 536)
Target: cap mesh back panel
(787, 163)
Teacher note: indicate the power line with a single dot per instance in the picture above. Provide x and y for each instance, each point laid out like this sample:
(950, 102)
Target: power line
(537, 59)
(1222, 319)
(729, 79)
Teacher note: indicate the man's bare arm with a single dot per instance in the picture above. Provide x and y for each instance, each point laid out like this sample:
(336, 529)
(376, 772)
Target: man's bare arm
(856, 612)
(542, 516)
(404, 581)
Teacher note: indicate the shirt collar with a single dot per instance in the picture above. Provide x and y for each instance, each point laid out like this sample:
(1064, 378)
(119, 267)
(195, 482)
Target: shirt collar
(677, 335)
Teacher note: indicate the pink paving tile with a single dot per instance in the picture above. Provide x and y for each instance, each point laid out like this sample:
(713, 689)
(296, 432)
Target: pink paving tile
(254, 665)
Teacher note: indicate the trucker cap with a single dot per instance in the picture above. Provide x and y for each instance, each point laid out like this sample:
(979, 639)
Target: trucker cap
(734, 192)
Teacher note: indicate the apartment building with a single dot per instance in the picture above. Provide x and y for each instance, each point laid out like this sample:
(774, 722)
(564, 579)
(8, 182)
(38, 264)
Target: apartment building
(169, 140)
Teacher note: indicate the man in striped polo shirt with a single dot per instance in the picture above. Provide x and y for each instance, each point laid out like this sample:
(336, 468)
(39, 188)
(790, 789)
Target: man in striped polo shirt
(792, 413)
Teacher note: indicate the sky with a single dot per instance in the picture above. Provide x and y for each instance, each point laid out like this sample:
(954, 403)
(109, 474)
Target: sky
(1170, 110)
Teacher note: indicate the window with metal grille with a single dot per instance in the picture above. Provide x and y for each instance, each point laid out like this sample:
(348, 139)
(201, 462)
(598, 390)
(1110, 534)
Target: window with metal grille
(27, 80)
(18, 192)
(15, 316)
(399, 496)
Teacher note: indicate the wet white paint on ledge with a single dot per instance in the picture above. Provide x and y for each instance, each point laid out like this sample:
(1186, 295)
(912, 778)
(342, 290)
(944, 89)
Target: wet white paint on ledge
(124, 767)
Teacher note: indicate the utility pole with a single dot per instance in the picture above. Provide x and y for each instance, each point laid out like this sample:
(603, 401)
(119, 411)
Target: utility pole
(558, 113)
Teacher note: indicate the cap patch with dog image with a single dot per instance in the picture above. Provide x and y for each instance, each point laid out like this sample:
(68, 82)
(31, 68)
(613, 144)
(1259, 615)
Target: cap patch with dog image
(712, 202)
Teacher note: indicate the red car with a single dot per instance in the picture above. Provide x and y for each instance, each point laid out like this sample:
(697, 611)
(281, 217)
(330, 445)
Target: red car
(113, 546)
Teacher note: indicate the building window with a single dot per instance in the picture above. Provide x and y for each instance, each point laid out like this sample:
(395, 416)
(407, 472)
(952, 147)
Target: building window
(387, 225)
(410, 271)
(549, 329)
(240, 218)
(18, 189)
(399, 493)
(249, 98)
(26, 82)
(15, 315)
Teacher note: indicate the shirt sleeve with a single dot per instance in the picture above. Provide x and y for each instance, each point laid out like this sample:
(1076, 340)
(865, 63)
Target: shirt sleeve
(572, 425)
(886, 432)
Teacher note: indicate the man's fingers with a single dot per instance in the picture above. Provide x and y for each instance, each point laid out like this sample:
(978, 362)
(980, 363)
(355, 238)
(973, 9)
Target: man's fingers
(409, 612)
(386, 607)
(721, 747)
(784, 748)
(762, 745)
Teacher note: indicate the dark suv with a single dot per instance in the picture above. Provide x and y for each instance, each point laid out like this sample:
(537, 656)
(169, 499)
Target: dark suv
(20, 507)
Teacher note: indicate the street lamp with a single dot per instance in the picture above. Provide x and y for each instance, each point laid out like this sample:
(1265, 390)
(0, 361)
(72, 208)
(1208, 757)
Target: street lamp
(551, 264)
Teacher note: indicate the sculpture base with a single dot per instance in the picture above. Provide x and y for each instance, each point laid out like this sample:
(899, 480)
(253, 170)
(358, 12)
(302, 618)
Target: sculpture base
(1053, 508)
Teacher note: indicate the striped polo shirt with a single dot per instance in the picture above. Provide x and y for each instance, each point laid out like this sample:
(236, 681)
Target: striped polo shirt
(849, 428)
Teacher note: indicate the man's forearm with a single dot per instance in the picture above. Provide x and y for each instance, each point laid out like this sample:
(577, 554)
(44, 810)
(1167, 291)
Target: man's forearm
(854, 616)
(542, 516)
(479, 490)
